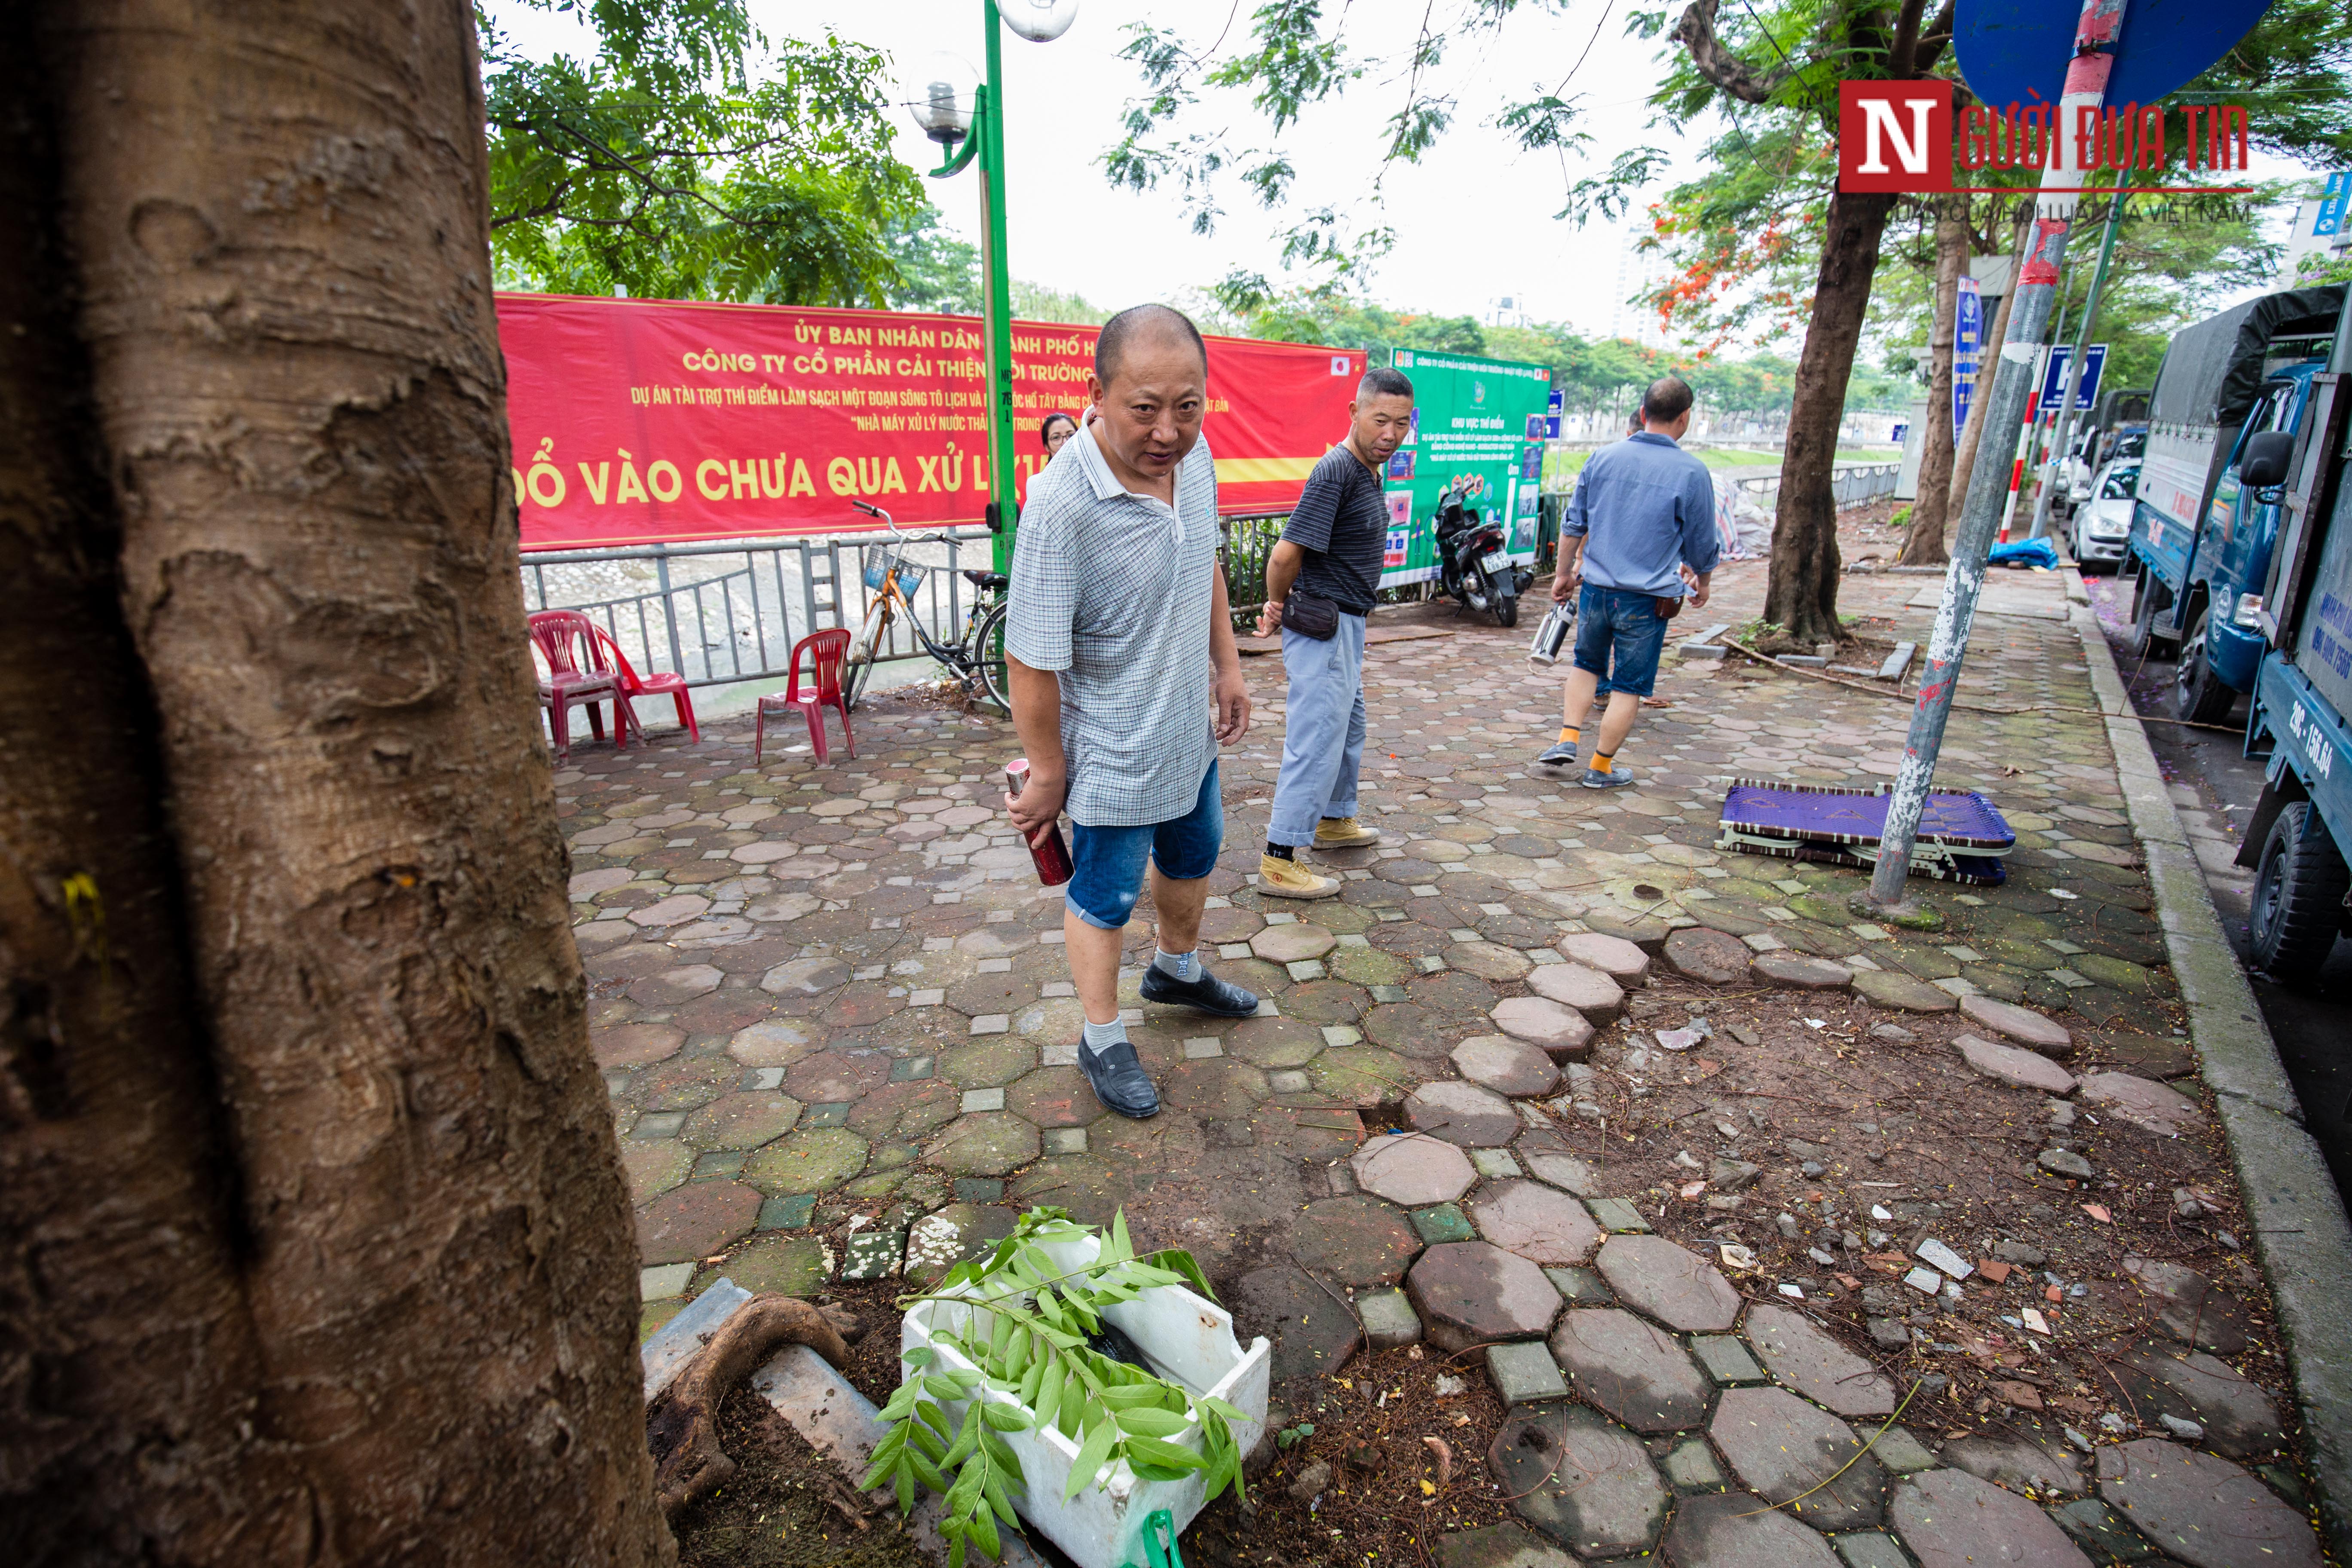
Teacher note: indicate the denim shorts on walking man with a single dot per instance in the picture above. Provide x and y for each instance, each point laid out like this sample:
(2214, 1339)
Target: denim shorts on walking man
(1612, 620)
(1107, 863)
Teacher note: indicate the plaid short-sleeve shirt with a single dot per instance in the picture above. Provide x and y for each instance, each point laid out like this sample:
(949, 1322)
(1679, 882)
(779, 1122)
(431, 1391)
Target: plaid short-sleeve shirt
(1113, 591)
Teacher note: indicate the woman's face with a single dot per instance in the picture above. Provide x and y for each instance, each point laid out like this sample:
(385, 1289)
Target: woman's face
(1059, 431)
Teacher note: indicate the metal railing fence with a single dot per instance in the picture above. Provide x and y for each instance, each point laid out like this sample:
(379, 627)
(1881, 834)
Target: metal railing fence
(723, 613)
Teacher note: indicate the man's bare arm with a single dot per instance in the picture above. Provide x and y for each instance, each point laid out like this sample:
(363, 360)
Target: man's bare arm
(1230, 691)
(1037, 716)
(1282, 569)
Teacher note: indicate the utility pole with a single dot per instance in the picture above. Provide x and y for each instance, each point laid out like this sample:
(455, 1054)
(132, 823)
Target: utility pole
(2082, 348)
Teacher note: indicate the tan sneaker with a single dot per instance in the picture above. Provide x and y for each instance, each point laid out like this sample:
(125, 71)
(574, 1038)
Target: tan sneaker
(1289, 879)
(1344, 833)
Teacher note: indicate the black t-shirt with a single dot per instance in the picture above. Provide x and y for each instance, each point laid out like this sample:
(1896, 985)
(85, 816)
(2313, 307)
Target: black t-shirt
(1341, 520)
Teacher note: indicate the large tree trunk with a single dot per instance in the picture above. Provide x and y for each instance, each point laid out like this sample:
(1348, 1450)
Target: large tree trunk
(1801, 593)
(313, 1242)
(1931, 510)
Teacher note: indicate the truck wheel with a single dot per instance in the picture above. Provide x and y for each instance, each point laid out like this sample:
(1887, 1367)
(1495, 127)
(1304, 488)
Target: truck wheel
(2145, 642)
(2298, 897)
(2198, 694)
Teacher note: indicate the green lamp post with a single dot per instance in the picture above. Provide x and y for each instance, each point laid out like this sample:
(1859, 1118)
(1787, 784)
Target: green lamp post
(953, 107)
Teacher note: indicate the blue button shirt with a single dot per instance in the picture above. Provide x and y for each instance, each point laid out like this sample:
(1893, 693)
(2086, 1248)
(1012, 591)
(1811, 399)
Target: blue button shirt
(1644, 508)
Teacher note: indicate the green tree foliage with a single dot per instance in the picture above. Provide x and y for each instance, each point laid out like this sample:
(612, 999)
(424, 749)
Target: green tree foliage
(683, 155)
(937, 271)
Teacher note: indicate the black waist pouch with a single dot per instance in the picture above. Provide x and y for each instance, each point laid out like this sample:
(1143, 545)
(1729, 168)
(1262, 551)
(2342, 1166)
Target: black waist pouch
(1310, 615)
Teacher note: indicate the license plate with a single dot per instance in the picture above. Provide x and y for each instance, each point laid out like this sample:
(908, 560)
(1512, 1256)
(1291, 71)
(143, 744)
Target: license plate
(1497, 563)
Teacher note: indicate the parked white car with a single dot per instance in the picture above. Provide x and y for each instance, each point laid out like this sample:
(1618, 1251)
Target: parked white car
(2102, 525)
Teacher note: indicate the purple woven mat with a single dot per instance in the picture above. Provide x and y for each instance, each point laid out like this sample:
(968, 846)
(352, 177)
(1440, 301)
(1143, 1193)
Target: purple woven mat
(1959, 821)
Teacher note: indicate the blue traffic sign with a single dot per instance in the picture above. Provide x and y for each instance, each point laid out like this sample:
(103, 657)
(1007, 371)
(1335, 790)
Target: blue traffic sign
(2054, 377)
(2330, 219)
(1968, 350)
(2016, 51)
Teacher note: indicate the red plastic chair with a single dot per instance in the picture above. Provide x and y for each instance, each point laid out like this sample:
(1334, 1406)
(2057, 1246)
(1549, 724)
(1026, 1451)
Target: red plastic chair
(577, 674)
(830, 651)
(661, 683)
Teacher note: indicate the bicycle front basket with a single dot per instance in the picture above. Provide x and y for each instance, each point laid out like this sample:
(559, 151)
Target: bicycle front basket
(878, 560)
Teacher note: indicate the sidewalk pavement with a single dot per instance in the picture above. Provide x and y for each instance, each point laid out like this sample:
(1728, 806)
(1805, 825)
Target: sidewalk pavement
(1967, 1171)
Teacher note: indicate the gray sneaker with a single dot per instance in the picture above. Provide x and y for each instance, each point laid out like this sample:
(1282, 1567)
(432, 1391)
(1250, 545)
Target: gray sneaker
(1595, 779)
(1560, 756)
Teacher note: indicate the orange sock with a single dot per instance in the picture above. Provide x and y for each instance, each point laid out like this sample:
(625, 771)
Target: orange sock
(1571, 735)
(1602, 760)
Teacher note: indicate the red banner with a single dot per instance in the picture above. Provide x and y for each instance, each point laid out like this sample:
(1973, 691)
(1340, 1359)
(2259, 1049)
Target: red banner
(645, 420)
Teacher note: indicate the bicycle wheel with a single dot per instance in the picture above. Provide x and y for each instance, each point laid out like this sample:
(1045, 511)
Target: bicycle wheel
(860, 667)
(989, 641)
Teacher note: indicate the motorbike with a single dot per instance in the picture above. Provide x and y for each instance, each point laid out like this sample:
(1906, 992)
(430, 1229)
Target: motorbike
(1472, 566)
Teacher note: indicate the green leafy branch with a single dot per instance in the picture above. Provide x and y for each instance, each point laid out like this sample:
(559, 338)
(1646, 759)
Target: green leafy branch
(1031, 1365)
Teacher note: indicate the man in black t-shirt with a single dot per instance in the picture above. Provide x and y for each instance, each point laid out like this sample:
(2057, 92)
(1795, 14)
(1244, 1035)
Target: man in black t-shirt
(1328, 565)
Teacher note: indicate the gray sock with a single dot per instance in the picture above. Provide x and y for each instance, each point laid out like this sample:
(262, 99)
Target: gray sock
(1182, 965)
(1101, 1038)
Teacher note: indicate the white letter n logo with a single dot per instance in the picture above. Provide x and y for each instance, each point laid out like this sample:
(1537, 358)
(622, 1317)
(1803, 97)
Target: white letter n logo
(1878, 115)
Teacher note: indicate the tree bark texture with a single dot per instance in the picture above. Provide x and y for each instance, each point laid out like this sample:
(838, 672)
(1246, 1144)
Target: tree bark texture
(1931, 510)
(313, 1242)
(1801, 595)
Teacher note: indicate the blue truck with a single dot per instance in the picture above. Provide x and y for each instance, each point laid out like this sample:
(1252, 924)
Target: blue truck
(2302, 825)
(2202, 531)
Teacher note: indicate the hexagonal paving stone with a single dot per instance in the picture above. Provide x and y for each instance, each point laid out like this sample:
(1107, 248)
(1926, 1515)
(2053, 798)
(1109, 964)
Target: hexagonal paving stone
(805, 977)
(2203, 1510)
(2013, 1065)
(813, 1160)
(1213, 1089)
(634, 1044)
(1678, 1287)
(1273, 1043)
(837, 1077)
(1355, 1241)
(683, 1083)
(1892, 988)
(1292, 944)
(1360, 1075)
(654, 1166)
(2240, 1418)
(2141, 1101)
(1543, 1022)
(1558, 1167)
(2023, 1025)
(1613, 956)
(2018, 1463)
(1414, 1030)
(1461, 1113)
(1783, 1448)
(1733, 1531)
(1949, 1518)
(1488, 961)
(1057, 1021)
(1474, 1292)
(1590, 991)
(742, 1120)
(1709, 957)
(1580, 1478)
(1506, 1545)
(1795, 972)
(1412, 1170)
(699, 1218)
(993, 1143)
(1506, 1066)
(672, 986)
(1054, 1097)
(1539, 1223)
(1313, 1336)
(988, 1063)
(1805, 1358)
(774, 1043)
(777, 1265)
(1634, 1369)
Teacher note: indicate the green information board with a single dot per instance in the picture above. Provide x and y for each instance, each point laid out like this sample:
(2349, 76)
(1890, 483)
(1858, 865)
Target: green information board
(1474, 419)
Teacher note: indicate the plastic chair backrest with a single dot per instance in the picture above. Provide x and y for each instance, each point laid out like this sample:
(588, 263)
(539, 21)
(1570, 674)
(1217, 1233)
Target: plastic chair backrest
(830, 650)
(609, 657)
(553, 632)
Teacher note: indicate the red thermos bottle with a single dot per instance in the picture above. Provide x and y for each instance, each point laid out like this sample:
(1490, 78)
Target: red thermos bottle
(1052, 855)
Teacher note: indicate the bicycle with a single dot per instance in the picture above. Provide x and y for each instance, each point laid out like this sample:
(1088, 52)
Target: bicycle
(977, 657)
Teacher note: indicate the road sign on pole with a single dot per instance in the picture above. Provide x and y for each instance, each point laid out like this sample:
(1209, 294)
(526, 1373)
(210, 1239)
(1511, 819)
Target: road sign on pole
(2059, 374)
(2019, 50)
(1967, 348)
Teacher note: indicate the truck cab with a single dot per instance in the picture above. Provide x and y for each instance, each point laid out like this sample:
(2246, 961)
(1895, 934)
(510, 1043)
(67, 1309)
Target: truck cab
(2201, 537)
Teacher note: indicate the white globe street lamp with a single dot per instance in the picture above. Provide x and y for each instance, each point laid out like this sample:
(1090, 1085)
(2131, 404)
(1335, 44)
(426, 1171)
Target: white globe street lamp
(946, 96)
(1039, 21)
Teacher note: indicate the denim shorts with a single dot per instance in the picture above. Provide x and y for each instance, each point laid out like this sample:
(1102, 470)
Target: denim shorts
(1612, 620)
(1107, 863)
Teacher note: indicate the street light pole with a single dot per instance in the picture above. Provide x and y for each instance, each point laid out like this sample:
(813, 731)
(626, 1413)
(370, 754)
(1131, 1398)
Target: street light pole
(979, 128)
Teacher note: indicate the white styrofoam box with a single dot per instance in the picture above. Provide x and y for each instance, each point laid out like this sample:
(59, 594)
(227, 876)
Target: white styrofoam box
(1187, 1340)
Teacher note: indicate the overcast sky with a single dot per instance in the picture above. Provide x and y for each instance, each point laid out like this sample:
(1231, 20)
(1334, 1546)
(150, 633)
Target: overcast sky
(1474, 220)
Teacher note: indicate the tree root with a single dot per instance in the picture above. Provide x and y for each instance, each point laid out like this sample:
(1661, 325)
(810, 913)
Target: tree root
(682, 1423)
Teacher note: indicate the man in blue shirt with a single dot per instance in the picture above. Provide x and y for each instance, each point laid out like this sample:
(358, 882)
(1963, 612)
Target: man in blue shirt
(1644, 510)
